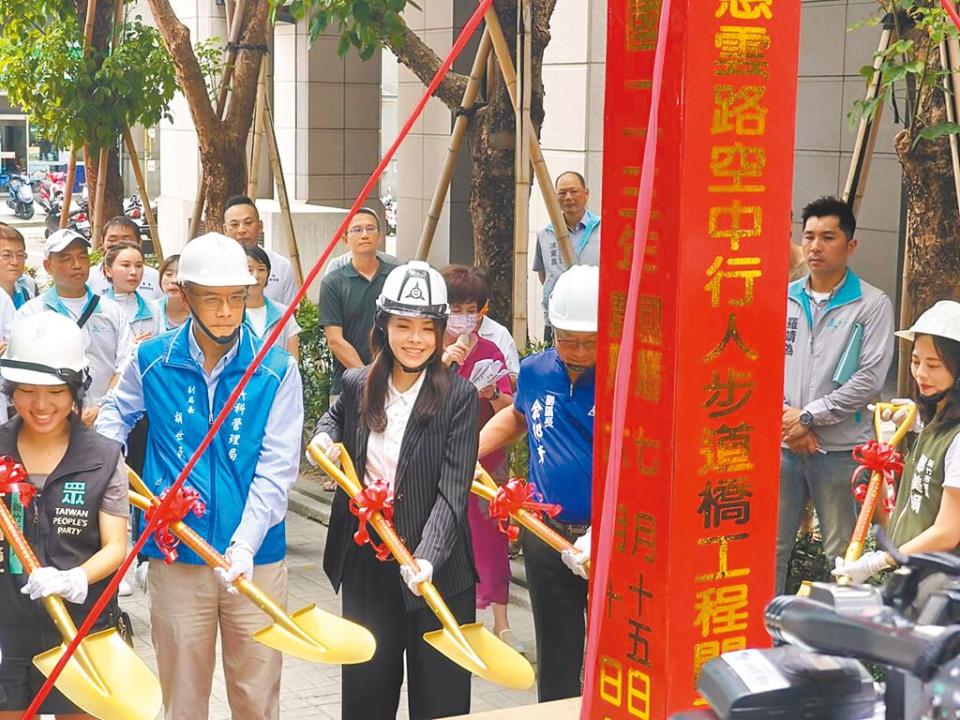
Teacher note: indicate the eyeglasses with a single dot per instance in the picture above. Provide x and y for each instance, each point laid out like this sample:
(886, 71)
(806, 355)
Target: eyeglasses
(215, 302)
(360, 229)
(7, 256)
(571, 344)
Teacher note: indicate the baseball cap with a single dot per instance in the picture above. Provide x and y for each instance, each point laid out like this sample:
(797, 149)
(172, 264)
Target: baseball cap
(60, 239)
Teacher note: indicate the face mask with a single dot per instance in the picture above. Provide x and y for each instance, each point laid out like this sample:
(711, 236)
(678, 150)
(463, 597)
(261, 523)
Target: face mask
(461, 324)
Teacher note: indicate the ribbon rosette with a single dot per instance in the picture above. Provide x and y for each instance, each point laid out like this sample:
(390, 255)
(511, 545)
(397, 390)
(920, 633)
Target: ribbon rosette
(375, 497)
(518, 495)
(186, 501)
(13, 479)
(876, 457)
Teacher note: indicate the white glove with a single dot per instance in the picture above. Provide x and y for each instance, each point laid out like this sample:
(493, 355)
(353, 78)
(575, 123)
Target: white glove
(578, 556)
(71, 584)
(859, 571)
(240, 557)
(325, 444)
(899, 414)
(413, 579)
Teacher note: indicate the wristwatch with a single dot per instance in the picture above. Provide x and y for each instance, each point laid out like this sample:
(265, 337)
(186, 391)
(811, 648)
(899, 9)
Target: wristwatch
(806, 418)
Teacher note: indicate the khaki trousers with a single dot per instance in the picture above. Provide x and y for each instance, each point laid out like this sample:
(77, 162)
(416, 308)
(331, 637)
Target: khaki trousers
(187, 606)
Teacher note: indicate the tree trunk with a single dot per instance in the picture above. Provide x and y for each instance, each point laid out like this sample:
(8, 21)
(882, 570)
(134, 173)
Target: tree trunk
(223, 177)
(932, 217)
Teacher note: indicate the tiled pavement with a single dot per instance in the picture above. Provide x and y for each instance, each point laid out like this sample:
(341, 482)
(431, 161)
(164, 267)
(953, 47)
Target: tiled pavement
(311, 690)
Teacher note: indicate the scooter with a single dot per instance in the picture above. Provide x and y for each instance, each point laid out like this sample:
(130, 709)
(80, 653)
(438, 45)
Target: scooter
(20, 196)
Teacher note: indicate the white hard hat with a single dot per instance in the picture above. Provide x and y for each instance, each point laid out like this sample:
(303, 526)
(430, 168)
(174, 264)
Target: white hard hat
(574, 300)
(214, 260)
(61, 239)
(942, 320)
(414, 290)
(44, 349)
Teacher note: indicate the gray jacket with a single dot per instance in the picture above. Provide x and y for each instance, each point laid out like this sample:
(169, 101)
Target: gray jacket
(814, 351)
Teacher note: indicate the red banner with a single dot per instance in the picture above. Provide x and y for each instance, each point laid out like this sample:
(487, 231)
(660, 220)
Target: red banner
(692, 562)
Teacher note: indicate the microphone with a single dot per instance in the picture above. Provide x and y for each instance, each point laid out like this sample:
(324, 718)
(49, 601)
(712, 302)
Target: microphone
(464, 339)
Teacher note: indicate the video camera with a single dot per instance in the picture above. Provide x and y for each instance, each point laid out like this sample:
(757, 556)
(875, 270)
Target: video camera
(910, 627)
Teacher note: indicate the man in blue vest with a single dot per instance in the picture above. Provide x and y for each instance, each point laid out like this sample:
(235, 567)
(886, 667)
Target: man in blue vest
(584, 229)
(181, 381)
(554, 406)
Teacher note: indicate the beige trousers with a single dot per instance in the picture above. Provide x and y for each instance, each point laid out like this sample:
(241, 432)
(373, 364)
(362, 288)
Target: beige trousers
(187, 607)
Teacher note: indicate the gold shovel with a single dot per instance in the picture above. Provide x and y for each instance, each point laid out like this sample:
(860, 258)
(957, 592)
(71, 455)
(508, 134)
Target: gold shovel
(308, 633)
(486, 488)
(869, 506)
(104, 677)
(471, 646)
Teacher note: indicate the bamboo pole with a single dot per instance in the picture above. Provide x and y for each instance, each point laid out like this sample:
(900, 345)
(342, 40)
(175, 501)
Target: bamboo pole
(101, 194)
(867, 130)
(68, 188)
(544, 181)
(91, 189)
(453, 149)
(88, 24)
(257, 144)
(234, 38)
(950, 58)
(228, 9)
(281, 184)
(142, 186)
(521, 189)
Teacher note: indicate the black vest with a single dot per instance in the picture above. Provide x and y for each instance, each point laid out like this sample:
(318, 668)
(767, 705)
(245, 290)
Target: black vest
(61, 523)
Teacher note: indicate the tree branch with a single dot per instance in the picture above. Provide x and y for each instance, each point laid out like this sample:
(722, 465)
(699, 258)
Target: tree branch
(176, 37)
(424, 63)
(246, 72)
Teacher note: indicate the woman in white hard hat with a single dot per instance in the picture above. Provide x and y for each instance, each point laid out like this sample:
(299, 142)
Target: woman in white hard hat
(409, 422)
(77, 521)
(926, 517)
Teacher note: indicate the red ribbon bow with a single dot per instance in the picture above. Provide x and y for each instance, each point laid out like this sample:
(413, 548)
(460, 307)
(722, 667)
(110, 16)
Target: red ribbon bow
(878, 457)
(13, 479)
(375, 497)
(186, 501)
(518, 495)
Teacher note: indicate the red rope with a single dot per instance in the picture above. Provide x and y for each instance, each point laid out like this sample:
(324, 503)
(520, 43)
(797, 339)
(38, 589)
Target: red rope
(518, 495)
(600, 570)
(952, 12)
(876, 457)
(187, 500)
(462, 39)
(375, 497)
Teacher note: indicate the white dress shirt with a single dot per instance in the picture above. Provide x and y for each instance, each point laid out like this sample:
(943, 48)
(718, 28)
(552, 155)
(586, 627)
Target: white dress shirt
(281, 285)
(383, 448)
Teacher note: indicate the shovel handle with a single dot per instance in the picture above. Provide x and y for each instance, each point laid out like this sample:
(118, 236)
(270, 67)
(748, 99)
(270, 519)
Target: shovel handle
(528, 520)
(16, 539)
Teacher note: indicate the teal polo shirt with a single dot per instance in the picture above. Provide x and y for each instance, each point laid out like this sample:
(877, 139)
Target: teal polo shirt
(349, 301)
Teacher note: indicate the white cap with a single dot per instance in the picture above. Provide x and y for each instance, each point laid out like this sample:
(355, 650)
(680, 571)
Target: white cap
(50, 342)
(214, 260)
(61, 239)
(414, 290)
(942, 320)
(575, 298)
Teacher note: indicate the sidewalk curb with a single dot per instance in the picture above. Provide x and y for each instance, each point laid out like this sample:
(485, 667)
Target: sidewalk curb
(310, 500)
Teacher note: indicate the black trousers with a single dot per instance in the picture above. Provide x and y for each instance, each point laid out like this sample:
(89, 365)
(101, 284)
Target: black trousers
(436, 687)
(559, 602)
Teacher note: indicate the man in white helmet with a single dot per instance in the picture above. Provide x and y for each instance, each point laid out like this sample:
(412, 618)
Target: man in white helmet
(106, 329)
(181, 381)
(554, 406)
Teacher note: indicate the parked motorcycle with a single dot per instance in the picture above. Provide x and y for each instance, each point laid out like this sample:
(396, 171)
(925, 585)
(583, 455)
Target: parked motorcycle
(78, 219)
(20, 196)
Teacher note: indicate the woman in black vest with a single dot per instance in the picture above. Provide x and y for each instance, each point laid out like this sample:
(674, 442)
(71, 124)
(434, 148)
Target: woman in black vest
(926, 517)
(407, 421)
(76, 522)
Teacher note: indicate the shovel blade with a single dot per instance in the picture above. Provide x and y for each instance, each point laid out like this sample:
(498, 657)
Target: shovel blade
(105, 678)
(499, 663)
(324, 638)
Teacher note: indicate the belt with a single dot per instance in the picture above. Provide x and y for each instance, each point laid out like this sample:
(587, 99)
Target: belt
(571, 531)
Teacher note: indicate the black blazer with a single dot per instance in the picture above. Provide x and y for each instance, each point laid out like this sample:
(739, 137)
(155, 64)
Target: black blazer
(434, 473)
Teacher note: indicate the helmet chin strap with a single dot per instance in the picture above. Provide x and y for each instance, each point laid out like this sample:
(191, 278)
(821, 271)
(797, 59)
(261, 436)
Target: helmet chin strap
(414, 371)
(218, 339)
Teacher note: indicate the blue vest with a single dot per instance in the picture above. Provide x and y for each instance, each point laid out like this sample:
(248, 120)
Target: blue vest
(175, 396)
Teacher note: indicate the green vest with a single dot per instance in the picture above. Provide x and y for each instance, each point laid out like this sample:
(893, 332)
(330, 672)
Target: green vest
(921, 488)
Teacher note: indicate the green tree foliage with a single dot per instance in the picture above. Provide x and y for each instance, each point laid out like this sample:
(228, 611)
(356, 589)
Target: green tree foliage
(366, 25)
(72, 99)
